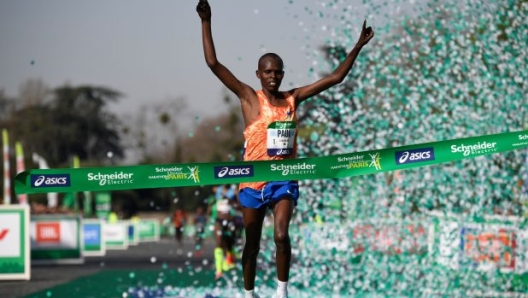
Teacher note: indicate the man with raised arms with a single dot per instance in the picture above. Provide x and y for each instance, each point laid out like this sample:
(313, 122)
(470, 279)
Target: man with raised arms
(270, 134)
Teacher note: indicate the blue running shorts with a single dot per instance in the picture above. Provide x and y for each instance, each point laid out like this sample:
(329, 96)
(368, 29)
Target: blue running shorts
(271, 193)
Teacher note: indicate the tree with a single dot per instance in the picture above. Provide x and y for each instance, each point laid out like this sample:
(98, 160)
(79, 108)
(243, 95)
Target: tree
(33, 92)
(152, 135)
(213, 139)
(217, 138)
(165, 133)
(7, 105)
(73, 121)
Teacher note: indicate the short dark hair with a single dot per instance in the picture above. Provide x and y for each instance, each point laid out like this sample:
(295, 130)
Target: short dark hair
(270, 55)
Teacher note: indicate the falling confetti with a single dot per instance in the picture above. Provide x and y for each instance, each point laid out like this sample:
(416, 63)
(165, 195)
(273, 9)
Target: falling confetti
(441, 74)
(436, 70)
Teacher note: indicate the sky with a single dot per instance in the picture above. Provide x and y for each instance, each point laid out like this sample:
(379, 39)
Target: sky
(151, 51)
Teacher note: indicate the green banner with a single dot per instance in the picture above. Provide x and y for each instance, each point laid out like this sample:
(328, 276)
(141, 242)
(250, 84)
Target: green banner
(103, 204)
(87, 204)
(335, 166)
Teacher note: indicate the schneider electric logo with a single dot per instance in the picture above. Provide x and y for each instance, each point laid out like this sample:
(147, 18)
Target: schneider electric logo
(479, 148)
(169, 169)
(50, 180)
(299, 168)
(414, 155)
(111, 179)
(233, 171)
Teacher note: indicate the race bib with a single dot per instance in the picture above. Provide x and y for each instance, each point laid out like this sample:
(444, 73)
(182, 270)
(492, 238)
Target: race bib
(281, 137)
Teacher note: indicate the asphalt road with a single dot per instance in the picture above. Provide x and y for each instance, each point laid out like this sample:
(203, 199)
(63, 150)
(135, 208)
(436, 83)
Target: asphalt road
(145, 256)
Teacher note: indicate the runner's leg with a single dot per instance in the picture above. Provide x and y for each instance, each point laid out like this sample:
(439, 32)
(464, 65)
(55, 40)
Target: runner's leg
(253, 219)
(282, 211)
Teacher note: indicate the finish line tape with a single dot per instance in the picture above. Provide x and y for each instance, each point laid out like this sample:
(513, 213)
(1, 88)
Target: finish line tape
(326, 167)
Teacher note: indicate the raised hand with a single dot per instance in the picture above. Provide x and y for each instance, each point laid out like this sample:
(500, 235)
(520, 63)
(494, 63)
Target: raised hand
(204, 10)
(366, 34)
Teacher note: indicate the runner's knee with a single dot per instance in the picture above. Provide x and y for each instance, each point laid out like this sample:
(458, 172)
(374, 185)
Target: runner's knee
(281, 238)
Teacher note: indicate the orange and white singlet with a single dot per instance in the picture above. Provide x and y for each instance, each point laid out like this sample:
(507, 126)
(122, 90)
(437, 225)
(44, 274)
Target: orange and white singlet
(272, 136)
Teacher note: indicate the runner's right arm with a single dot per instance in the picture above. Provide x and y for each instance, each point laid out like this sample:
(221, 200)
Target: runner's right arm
(242, 90)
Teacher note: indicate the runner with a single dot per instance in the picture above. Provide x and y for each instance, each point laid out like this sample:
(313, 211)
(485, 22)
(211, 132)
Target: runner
(178, 221)
(200, 221)
(222, 212)
(270, 134)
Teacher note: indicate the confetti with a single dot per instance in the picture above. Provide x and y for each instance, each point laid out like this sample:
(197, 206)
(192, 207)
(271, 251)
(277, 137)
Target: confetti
(434, 71)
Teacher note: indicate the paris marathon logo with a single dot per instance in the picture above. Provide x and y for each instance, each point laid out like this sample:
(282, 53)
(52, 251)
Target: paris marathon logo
(177, 173)
(359, 161)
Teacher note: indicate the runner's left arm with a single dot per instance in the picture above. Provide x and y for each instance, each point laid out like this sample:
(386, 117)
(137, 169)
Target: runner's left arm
(339, 74)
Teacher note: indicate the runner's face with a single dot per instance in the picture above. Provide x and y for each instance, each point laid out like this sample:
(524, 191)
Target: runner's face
(270, 73)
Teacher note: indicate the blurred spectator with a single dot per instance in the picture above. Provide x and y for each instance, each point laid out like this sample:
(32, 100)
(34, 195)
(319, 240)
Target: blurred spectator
(200, 221)
(178, 220)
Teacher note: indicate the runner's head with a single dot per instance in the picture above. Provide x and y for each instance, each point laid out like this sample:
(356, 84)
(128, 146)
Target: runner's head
(270, 71)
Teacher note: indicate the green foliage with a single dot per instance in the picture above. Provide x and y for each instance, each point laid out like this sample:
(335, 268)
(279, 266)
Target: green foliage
(7, 105)
(73, 122)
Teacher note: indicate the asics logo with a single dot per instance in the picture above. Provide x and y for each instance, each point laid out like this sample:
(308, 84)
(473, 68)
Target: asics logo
(234, 171)
(39, 181)
(284, 152)
(414, 155)
(50, 180)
